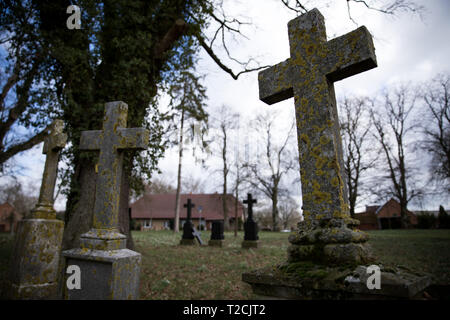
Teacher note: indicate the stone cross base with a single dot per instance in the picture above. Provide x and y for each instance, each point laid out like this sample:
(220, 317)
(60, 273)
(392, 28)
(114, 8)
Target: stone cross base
(215, 243)
(247, 244)
(35, 262)
(105, 275)
(337, 242)
(305, 281)
(188, 242)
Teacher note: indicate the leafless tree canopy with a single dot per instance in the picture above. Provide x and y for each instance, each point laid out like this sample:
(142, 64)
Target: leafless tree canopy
(359, 155)
(436, 128)
(391, 116)
(275, 162)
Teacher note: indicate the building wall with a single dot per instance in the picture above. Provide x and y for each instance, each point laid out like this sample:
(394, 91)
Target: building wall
(368, 226)
(158, 224)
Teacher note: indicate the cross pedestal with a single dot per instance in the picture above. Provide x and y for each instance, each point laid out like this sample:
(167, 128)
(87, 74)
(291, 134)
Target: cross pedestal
(327, 246)
(34, 271)
(108, 269)
(250, 226)
(217, 235)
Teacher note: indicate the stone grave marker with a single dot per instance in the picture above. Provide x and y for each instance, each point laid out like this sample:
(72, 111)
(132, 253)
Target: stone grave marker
(34, 271)
(189, 232)
(217, 236)
(197, 235)
(108, 269)
(327, 246)
(250, 226)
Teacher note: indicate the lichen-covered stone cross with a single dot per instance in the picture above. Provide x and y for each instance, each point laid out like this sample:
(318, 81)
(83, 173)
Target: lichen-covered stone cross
(53, 144)
(308, 76)
(111, 141)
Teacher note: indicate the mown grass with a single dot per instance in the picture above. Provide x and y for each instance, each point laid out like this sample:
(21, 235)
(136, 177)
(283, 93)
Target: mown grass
(422, 250)
(170, 271)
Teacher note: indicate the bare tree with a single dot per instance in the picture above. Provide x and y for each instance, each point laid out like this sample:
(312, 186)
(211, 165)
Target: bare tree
(187, 99)
(191, 184)
(359, 155)
(436, 128)
(390, 7)
(266, 172)
(158, 186)
(224, 123)
(392, 130)
(289, 213)
(22, 201)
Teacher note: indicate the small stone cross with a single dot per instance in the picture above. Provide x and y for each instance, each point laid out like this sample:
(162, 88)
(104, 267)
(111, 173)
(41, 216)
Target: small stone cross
(111, 141)
(250, 201)
(53, 144)
(308, 76)
(189, 205)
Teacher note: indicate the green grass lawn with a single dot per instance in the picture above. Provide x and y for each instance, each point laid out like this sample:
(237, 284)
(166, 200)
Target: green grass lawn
(170, 271)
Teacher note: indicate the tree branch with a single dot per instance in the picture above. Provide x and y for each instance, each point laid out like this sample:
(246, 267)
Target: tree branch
(216, 59)
(172, 35)
(12, 151)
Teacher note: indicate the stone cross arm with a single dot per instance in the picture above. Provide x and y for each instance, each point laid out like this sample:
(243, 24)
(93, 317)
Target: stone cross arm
(250, 201)
(336, 59)
(127, 138)
(355, 54)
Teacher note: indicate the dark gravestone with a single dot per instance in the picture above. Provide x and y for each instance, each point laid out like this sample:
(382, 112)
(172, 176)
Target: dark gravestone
(189, 232)
(250, 226)
(217, 235)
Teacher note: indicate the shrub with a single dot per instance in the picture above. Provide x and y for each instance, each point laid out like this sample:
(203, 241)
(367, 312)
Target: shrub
(426, 221)
(443, 219)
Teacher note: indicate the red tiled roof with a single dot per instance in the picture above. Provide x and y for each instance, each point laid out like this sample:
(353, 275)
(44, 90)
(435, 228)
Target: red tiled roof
(162, 206)
(388, 210)
(391, 209)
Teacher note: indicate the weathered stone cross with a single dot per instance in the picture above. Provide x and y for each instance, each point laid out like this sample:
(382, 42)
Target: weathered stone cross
(111, 141)
(189, 205)
(52, 147)
(108, 269)
(308, 76)
(35, 262)
(250, 201)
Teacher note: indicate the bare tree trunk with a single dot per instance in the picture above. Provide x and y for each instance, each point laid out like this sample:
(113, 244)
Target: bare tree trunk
(275, 210)
(236, 211)
(226, 224)
(177, 197)
(225, 175)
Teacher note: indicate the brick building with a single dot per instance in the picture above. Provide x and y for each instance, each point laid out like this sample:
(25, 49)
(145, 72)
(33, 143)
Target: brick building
(386, 216)
(157, 211)
(8, 217)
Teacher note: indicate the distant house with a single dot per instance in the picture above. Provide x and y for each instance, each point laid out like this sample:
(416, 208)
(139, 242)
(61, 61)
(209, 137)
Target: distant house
(386, 216)
(157, 211)
(8, 217)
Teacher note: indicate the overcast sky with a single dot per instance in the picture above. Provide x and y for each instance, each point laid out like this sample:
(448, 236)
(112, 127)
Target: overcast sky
(408, 49)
